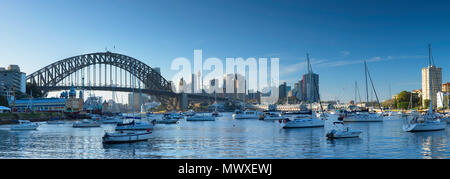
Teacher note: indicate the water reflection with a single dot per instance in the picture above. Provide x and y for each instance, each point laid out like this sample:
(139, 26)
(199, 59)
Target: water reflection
(227, 138)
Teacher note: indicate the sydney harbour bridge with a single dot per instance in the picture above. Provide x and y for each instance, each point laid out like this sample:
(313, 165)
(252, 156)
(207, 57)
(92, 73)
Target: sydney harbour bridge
(107, 71)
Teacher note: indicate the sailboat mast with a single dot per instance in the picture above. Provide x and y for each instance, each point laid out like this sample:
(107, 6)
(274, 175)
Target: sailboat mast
(310, 80)
(367, 90)
(429, 79)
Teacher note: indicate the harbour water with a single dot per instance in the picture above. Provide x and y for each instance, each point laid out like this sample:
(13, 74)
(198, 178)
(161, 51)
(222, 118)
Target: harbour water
(228, 138)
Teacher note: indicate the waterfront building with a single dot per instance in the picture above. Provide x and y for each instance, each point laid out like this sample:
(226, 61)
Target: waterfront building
(310, 87)
(435, 74)
(12, 77)
(139, 99)
(40, 105)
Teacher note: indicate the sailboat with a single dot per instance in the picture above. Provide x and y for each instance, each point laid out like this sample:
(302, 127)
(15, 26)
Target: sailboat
(129, 132)
(429, 121)
(365, 115)
(309, 120)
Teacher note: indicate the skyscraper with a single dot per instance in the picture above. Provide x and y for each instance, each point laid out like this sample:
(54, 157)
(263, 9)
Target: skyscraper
(435, 74)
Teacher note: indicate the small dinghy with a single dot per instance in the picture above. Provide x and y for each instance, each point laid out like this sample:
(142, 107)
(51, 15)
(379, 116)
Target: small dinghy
(342, 132)
(126, 136)
(25, 125)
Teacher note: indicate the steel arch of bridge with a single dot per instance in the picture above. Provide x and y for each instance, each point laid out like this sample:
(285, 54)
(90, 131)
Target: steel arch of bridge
(48, 77)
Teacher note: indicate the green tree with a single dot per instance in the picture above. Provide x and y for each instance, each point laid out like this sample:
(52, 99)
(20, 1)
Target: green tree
(32, 88)
(427, 103)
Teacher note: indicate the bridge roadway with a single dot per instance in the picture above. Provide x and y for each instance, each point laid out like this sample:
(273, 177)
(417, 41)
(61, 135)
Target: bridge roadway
(194, 97)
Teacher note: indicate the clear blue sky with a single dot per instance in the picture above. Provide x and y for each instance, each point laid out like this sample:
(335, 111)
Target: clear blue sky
(391, 35)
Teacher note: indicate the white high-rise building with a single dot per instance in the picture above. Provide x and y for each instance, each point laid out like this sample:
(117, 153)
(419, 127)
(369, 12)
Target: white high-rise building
(435, 74)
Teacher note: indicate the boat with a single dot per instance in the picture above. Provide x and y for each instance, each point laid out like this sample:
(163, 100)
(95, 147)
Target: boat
(303, 121)
(364, 115)
(25, 125)
(126, 136)
(170, 118)
(427, 122)
(308, 119)
(273, 116)
(55, 121)
(199, 117)
(85, 123)
(247, 114)
(188, 113)
(216, 114)
(340, 131)
(111, 120)
(291, 115)
(135, 125)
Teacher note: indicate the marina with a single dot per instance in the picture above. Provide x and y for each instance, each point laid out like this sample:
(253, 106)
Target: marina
(228, 138)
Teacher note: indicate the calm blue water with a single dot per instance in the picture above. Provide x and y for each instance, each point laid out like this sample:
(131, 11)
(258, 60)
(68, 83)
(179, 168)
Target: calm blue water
(227, 138)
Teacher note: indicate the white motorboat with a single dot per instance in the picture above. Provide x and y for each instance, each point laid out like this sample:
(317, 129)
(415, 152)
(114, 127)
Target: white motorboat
(86, 123)
(272, 116)
(292, 115)
(303, 121)
(199, 117)
(247, 114)
(135, 125)
(25, 125)
(126, 136)
(340, 131)
(55, 121)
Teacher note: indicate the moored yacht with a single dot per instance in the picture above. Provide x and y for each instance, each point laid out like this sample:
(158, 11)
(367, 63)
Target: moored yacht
(303, 121)
(247, 114)
(428, 122)
(25, 125)
(135, 125)
(201, 117)
(126, 136)
(170, 118)
(271, 116)
(340, 131)
(86, 123)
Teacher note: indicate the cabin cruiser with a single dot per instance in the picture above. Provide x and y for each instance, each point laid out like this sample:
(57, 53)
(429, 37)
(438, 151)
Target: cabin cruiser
(126, 136)
(135, 125)
(86, 123)
(270, 116)
(170, 118)
(341, 131)
(199, 117)
(25, 125)
(303, 121)
(247, 114)
(55, 121)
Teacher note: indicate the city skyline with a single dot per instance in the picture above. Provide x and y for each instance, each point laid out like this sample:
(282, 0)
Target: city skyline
(394, 43)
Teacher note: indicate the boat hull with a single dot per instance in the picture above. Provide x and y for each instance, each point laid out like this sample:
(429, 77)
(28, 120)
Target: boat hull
(421, 127)
(125, 138)
(304, 123)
